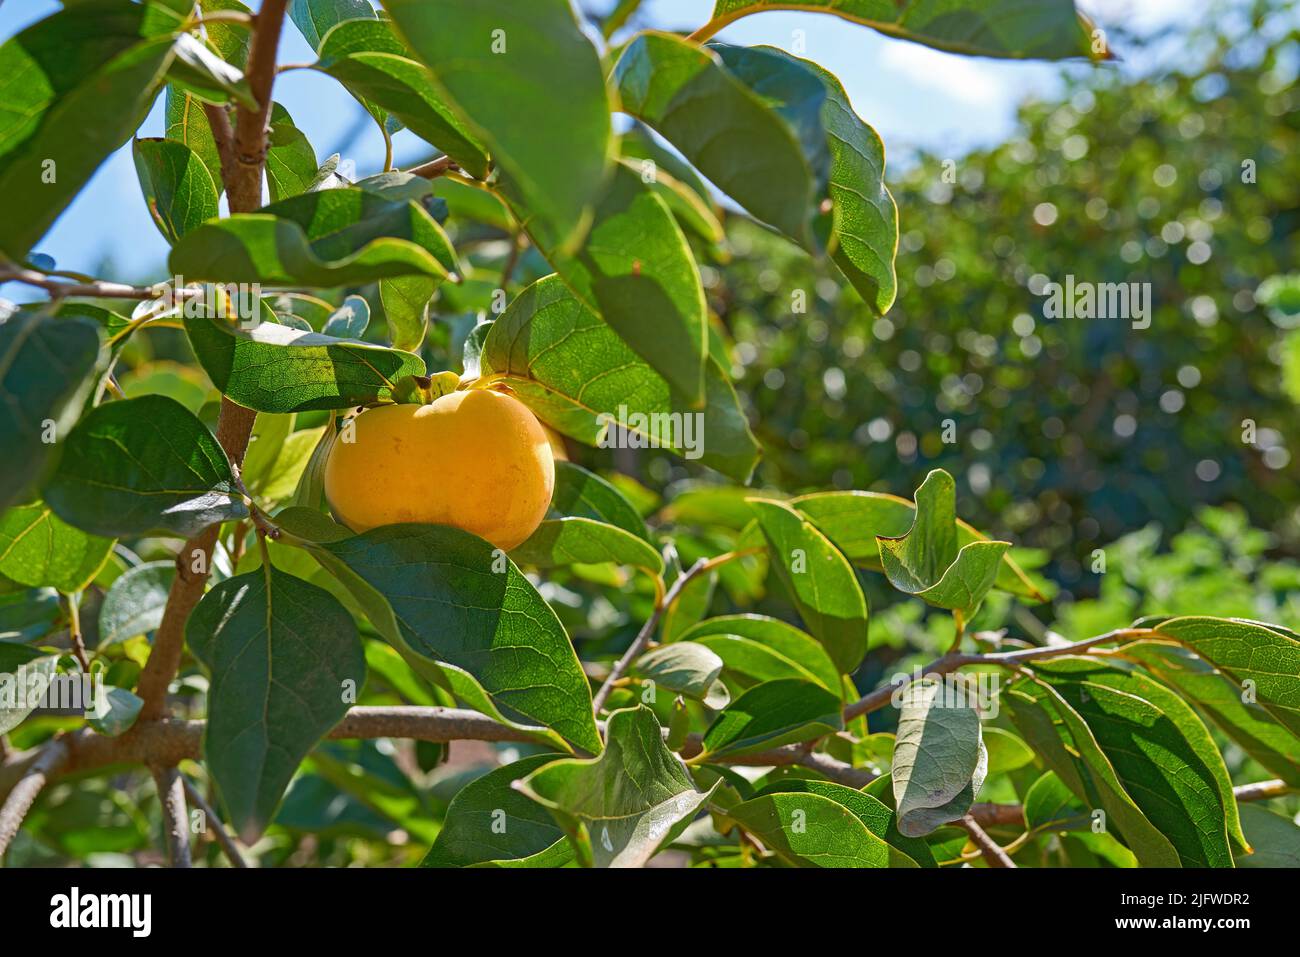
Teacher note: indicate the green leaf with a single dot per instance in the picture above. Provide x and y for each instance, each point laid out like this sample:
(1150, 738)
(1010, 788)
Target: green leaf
(329, 237)
(939, 759)
(731, 133)
(585, 541)
(876, 817)
(199, 70)
(1276, 839)
(275, 368)
(685, 668)
(529, 85)
(1049, 29)
(810, 830)
(368, 58)
(1248, 652)
(621, 808)
(37, 548)
(1246, 722)
(1067, 746)
(926, 561)
(45, 365)
(819, 579)
(1049, 804)
(582, 494)
(576, 374)
(187, 123)
(1006, 751)
(350, 320)
(177, 186)
(135, 602)
(774, 713)
(143, 465)
(77, 84)
(765, 649)
(315, 18)
(114, 711)
(853, 520)
(21, 690)
(406, 301)
(290, 158)
(636, 270)
(484, 633)
(282, 655)
(491, 824)
(1162, 753)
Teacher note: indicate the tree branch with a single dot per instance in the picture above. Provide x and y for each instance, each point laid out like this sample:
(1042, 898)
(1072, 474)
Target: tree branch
(244, 187)
(993, 853)
(176, 831)
(219, 832)
(95, 289)
(43, 766)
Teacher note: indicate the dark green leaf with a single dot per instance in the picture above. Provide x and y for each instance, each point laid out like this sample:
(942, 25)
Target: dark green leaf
(529, 84)
(876, 817)
(187, 123)
(282, 655)
(764, 649)
(819, 579)
(143, 465)
(45, 366)
(491, 824)
(809, 830)
(939, 758)
(582, 494)
(37, 548)
(135, 602)
(620, 808)
(577, 375)
(177, 186)
(774, 713)
(1049, 804)
(1276, 839)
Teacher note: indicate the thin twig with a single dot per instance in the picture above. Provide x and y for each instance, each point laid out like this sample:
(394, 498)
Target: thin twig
(59, 289)
(176, 832)
(47, 763)
(435, 168)
(219, 832)
(74, 632)
(994, 856)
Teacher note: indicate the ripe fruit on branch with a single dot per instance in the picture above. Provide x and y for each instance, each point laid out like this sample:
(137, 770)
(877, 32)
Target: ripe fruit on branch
(476, 459)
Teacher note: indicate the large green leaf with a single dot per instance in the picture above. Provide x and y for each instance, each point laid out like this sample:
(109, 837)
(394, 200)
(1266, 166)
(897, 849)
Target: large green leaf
(819, 579)
(135, 602)
(939, 758)
(582, 494)
(733, 134)
(876, 817)
(75, 87)
(927, 562)
(483, 632)
(315, 18)
(37, 548)
(853, 520)
(1051, 29)
(491, 824)
(785, 711)
(177, 186)
(274, 368)
(329, 237)
(1248, 652)
(810, 830)
(1067, 746)
(764, 649)
(143, 465)
(585, 541)
(368, 58)
(1162, 753)
(566, 364)
(620, 808)
(852, 214)
(187, 123)
(636, 269)
(1275, 838)
(1250, 725)
(284, 659)
(528, 83)
(45, 364)
(290, 158)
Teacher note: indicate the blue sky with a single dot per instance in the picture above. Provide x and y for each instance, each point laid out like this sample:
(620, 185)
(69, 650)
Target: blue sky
(914, 96)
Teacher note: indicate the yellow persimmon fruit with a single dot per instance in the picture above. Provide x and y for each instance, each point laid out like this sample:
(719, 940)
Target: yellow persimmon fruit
(560, 453)
(476, 459)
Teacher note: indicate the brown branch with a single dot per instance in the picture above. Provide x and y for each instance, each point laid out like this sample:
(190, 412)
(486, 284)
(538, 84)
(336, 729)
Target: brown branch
(96, 289)
(643, 637)
(219, 832)
(1261, 790)
(435, 167)
(994, 856)
(244, 187)
(43, 766)
(176, 831)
